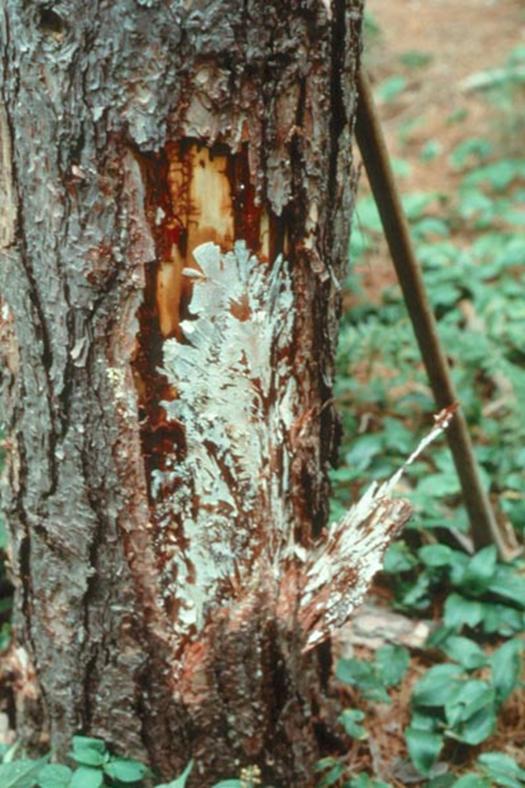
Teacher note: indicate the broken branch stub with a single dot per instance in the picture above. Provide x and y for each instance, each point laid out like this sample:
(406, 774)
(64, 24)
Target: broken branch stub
(338, 571)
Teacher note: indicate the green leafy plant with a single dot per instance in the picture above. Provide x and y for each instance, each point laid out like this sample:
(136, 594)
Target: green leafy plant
(505, 88)
(335, 772)
(481, 325)
(452, 701)
(20, 773)
(391, 88)
(472, 252)
(95, 767)
(485, 595)
(495, 768)
(415, 58)
(373, 679)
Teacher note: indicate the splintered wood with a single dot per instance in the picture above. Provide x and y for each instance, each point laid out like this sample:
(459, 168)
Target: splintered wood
(340, 568)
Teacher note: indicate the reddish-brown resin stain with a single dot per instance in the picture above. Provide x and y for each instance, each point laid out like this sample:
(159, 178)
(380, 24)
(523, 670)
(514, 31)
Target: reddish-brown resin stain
(194, 194)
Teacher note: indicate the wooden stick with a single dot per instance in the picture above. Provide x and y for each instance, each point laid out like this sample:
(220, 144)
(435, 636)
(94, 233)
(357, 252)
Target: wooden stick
(484, 527)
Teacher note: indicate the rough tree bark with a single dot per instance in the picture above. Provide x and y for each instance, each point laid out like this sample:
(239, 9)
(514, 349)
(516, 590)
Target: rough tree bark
(176, 179)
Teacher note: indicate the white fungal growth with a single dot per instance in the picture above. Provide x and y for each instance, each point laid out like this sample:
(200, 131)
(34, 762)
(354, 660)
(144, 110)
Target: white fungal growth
(236, 399)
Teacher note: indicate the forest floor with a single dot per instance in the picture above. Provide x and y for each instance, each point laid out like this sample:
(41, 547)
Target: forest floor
(449, 42)
(422, 56)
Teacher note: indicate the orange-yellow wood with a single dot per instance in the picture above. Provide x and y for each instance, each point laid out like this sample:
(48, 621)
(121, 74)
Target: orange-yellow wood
(201, 200)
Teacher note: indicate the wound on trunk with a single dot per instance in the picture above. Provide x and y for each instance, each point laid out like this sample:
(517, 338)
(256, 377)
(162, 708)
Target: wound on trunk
(214, 375)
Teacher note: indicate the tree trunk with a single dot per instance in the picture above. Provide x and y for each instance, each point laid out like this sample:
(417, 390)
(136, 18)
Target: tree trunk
(177, 188)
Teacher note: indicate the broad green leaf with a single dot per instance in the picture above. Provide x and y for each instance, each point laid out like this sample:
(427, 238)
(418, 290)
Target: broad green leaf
(436, 256)
(365, 781)
(390, 88)
(350, 719)
(85, 777)
(475, 203)
(437, 685)
(402, 168)
(441, 485)
(506, 663)
(180, 781)
(438, 636)
(371, 28)
(441, 781)
(502, 619)
(124, 770)
(333, 769)
(398, 558)
(430, 227)
(471, 780)
(9, 752)
(89, 743)
(89, 757)
(363, 450)
(499, 174)
(415, 58)
(471, 712)
(4, 749)
(416, 595)
(435, 555)
(225, 784)
(392, 663)
(461, 612)
(54, 775)
(431, 150)
(416, 203)
(469, 698)
(443, 295)
(398, 438)
(475, 148)
(362, 675)
(367, 215)
(509, 585)
(20, 774)
(424, 748)
(510, 252)
(88, 751)
(502, 769)
(426, 719)
(465, 651)
(458, 564)
(480, 571)
(477, 728)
